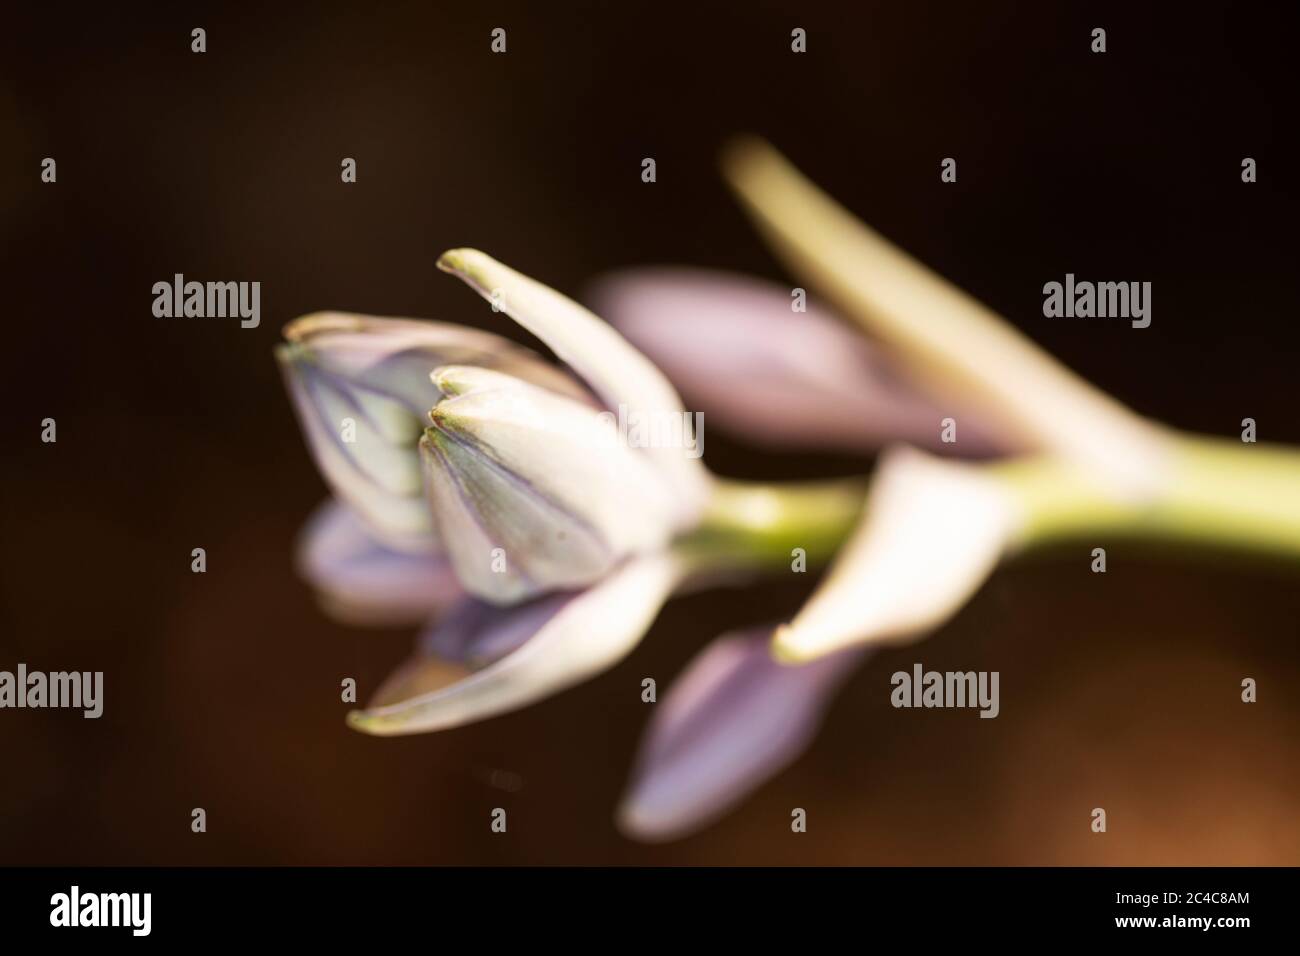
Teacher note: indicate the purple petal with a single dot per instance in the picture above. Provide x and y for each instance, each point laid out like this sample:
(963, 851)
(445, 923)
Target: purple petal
(732, 721)
(470, 636)
(617, 372)
(517, 472)
(361, 581)
(375, 371)
(476, 633)
(577, 636)
(740, 354)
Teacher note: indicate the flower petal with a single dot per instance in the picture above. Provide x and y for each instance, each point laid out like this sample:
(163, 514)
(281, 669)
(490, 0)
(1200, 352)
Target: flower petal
(777, 377)
(532, 491)
(585, 634)
(734, 719)
(472, 635)
(616, 371)
(361, 581)
(401, 520)
(393, 356)
(374, 373)
(931, 533)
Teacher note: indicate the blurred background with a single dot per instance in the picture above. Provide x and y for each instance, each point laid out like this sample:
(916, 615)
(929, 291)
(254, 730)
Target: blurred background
(222, 690)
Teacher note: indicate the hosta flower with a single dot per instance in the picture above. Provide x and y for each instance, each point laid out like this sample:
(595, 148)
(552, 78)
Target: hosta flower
(548, 544)
(486, 490)
(475, 472)
(533, 478)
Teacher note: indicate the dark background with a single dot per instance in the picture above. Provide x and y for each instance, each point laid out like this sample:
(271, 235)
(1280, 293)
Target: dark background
(221, 689)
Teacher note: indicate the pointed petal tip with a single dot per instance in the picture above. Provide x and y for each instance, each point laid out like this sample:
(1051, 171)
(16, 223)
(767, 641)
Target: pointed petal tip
(435, 436)
(634, 821)
(452, 260)
(375, 724)
(378, 722)
(787, 648)
(285, 353)
(456, 380)
(363, 721)
(313, 323)
(466, 263)
(446, 380)
(794, 648)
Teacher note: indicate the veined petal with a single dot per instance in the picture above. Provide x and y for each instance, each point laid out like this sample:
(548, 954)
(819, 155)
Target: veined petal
(617, 372)
(360, 386)
(587, 633)
(931, 533)
(360, 581)
(532, 491)
(733, 720)
(393, 356)
(959, 348)
(744, 358)
(401, 520)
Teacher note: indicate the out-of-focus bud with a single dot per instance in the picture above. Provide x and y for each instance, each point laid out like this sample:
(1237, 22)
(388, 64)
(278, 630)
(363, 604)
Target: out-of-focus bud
(359, 581)
(734, 719)
(932, 531)
(776, 376)
(962, 352)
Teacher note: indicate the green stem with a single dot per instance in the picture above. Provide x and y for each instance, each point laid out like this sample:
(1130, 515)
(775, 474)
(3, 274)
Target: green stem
(1217, 492)
(761, 525)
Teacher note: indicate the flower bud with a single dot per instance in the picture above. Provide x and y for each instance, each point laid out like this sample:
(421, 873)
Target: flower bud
(532, 491)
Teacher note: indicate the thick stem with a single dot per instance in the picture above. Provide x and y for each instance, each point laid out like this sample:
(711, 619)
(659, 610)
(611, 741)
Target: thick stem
(1217, 492)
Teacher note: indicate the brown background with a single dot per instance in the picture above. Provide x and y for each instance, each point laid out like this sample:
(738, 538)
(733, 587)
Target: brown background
(222, 690)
